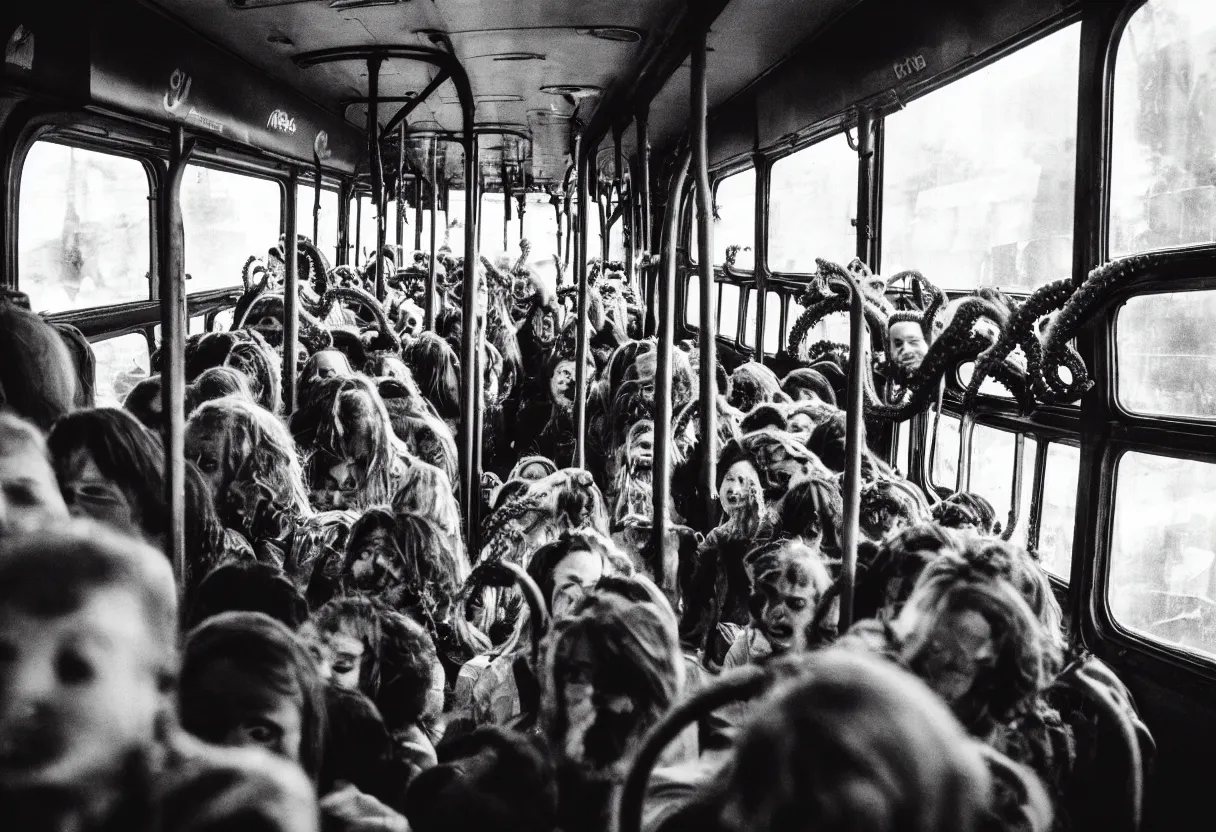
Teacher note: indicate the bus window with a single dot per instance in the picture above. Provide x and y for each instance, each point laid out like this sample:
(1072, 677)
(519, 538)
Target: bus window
(772, 322)
(728, 311)
(812, 204)
(979, 176)
(943, 468)
(227, 217)
(83, 237)
(903, 448)
(540, 229)
(1167, 354)
(121, 363)
(735, 222)
(327, 225)
(1162, 581)
(1057, 516)
(1162, 192)
(223, 320)
(992, 453)
(692, 301)
(834, 327)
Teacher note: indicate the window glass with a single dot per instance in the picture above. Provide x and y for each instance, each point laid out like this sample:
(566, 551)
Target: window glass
(1162, 581)
(223, 320)
(979, 176)
(363, 228)
(728, 311)
(83, 230)
(121, 363)
(903, 448)
(196, 325)
(327, 224)
(988, 387)
(540, 229)
(772, 321)
(692, 301)
(812, 205)
(1058, 513)
(1167, 354)
(735, 218)
(943, 471)
(834, 327)
(227, 217)
(992, 468)
(1162, 190)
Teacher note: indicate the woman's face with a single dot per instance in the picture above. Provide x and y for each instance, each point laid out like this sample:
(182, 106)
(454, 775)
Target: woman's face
(563, 381)
(247, 713)
(207, 448)
(576, 573)
(29, 495)
(376, 563)
(740, 486)
(89, 493)
(960, 648)
(340, 656)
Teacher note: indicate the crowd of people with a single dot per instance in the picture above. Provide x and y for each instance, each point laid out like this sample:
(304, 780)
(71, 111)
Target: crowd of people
(335, 655)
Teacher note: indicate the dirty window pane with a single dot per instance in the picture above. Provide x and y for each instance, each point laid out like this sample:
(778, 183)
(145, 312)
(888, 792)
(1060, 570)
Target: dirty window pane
(735, 225)
(1166, 349)
(772, 321)
(812, 204)
(121, 363)
(978, 179)
(943, 470)
(227, 217)
(1162, 582)
(1164, 137)
(83, 237)
(1058, 518)
(728, 311)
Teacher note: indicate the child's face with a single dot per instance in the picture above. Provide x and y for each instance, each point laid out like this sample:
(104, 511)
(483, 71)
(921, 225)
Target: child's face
(247, 713)
(78, 693)
(29, 495)
(89, 493)
(907, 346)
(740, 486)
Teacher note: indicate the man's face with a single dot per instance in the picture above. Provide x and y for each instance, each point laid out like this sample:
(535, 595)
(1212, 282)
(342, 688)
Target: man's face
(908, 347)
(78, 693)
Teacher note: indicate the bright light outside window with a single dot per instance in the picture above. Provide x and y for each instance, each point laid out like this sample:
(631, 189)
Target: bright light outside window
(978, 178)
(327, 226)
(227, 217)
(1162, 189)
(1166, 349)
(121, 363)
(84, 229)
(735, 202)
(1058, 517)
(812, 203)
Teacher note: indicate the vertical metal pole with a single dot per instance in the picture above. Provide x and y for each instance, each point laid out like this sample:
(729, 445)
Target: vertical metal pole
(643, 187)
(376, 163)
(705, 226)
(557, 211)
(430, 274)
(316, 205)
(522, 209)
(858, 354)
(343, 247)
(173, 345)
(291, 297)
(581, 348)
(418, 212)
(669, 568)
(358, 229)
(865, 187)
(469, 476)
(401, 197)
(760, 251)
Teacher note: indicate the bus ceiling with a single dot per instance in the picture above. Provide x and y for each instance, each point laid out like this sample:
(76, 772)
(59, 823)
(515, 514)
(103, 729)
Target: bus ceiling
(779, 70)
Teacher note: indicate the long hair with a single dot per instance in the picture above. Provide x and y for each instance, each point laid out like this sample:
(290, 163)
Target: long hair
(258, 451)
(752, 384)
(425, 491)
(216, 383)
(124, 451)
(266, 651)
(436, 368)
(853, 744)
(813, 509)
(37, 375)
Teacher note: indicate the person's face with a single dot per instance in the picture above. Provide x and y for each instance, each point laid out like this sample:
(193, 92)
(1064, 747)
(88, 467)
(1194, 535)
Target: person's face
(785, 469)
(270, 327)
(641, 451)
(800, 426)
(575, 574)
(533, 471)
(344, 654)
(78, 692)
(599, 717)
(545, 326)
(740, 486)
(341, 484)
(328, 364)
(786, 607)
(562, 384)
(250, 714)
(958, 650)
(207, 448)
(376, 564)
(29, 495)
(908, 347)
(88, 493)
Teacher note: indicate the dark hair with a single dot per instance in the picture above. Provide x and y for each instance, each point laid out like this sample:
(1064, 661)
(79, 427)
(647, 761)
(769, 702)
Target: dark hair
(143, 401)
(436, 368)
(248, 586)
(813, 508)
(37, 375)
(408, 662)
(124, 451)
(517, 793)
(888, 580)
(804, 378)
(216, 383)
(83, 359)
(266, 651)
(966, 510)
(752, 384)
(204, 530)
(884, 503)
(545, 560)
(761, 416)
(359, 749)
